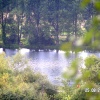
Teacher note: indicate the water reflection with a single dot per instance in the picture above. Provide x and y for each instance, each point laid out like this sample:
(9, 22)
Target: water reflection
(50, 63)
(10, 52)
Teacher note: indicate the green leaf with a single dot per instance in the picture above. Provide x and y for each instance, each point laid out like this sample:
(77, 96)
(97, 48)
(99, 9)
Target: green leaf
(84, 3)
(97, 5)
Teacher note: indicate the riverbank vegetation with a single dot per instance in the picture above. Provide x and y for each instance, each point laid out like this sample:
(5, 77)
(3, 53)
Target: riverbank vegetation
(86, 80)
(19, 82)
(31, 24)
(88, 83)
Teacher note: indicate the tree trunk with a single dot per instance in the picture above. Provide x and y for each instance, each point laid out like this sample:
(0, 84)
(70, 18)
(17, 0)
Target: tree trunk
(37, 17)
(57, 33)
(18, 30)
(3, 25)
(75, 23)
(57, 23)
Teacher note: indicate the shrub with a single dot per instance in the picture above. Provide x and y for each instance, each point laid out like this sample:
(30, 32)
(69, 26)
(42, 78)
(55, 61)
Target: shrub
(18, 82)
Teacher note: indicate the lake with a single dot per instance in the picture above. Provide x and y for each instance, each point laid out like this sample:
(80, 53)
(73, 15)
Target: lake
(51, 63)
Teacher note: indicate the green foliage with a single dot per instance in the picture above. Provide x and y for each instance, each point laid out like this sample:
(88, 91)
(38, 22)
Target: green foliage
(91, 60)
(90, 75)
(92, 69)
(89, 78)
(79, 94)
(19, 82)
(44, 40)
(36, 21)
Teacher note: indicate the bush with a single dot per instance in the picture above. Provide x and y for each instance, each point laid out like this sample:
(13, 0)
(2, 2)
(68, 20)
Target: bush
(19, 82)
(92, 71)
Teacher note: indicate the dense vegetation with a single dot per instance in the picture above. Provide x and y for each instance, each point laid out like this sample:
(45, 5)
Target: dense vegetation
(32, 23)
(19, 82)
(88, 83)
(37, 24)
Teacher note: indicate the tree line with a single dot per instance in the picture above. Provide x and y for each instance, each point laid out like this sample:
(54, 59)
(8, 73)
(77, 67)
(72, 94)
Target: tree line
(32, 22)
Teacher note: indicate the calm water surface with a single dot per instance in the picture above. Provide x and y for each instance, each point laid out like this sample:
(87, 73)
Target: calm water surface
(51, 64)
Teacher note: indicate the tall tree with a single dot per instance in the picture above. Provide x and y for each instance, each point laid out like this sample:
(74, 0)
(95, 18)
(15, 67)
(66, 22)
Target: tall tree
(5, 8)
(53, 17)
